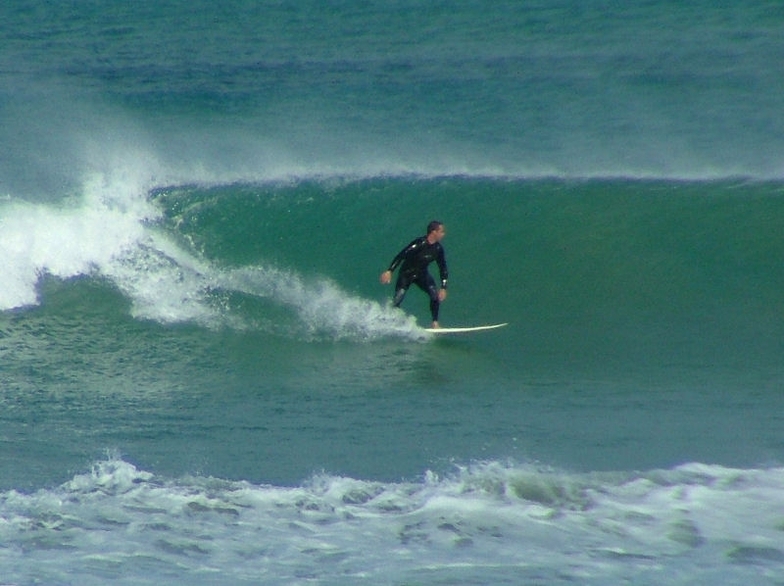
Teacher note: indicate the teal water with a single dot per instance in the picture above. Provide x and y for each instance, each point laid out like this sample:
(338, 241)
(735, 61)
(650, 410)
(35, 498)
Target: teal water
(202, 380)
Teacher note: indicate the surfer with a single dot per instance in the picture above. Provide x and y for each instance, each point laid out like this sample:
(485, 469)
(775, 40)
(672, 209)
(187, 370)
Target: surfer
(415, 259)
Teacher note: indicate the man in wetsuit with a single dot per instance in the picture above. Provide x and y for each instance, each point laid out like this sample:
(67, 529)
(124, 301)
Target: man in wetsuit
(415, 259)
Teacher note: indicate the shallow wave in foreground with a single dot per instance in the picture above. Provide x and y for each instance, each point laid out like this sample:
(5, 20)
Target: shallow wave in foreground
(492, 521)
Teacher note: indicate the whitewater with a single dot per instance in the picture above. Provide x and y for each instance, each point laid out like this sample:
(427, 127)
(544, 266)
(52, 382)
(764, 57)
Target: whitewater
(486, 524)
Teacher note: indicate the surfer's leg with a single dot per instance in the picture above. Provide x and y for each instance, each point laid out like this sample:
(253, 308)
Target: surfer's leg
(428, 285)
(398, 298)
(435, 305)
(400, 289)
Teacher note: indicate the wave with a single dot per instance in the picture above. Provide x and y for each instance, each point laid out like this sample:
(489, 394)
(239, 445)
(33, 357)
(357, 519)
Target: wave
(284, 257)
(488, 521)
(114, 235)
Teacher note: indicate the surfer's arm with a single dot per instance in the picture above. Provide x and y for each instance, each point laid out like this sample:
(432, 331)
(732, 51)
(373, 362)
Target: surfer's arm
(386, 276)
(442, 268)
(412, 246)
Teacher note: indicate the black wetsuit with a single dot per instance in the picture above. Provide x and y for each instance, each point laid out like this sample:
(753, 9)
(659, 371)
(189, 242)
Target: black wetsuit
(415, 258)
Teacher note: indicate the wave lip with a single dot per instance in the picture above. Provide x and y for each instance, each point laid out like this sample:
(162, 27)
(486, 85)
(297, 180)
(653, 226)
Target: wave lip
(60, 241)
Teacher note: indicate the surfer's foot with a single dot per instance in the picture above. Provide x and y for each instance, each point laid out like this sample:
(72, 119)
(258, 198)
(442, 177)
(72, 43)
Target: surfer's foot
(435, 325)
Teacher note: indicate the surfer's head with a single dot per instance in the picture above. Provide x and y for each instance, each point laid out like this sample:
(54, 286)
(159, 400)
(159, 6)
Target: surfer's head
(435, 231)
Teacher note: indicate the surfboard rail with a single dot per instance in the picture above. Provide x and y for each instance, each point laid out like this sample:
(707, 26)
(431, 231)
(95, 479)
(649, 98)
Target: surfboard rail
(463, 330)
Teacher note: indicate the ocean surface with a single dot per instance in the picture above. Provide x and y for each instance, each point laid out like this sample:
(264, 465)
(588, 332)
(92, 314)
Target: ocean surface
(202, 380)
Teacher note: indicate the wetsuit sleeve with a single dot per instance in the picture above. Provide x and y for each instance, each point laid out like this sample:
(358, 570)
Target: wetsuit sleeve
(412, 246)
(442, 268)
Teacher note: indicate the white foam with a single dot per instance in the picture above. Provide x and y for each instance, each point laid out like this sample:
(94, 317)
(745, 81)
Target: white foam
(692, 524)
(61, 241)
(324, 310)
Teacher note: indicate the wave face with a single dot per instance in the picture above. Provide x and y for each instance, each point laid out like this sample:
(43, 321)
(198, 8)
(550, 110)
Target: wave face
(196, 200)
(605, 259)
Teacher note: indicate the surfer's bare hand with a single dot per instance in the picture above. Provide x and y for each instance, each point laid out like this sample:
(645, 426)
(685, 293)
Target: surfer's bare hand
(386, 277)
(441, 294)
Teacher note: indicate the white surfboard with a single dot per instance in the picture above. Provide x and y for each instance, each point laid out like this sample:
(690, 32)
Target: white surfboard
(462, 330)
